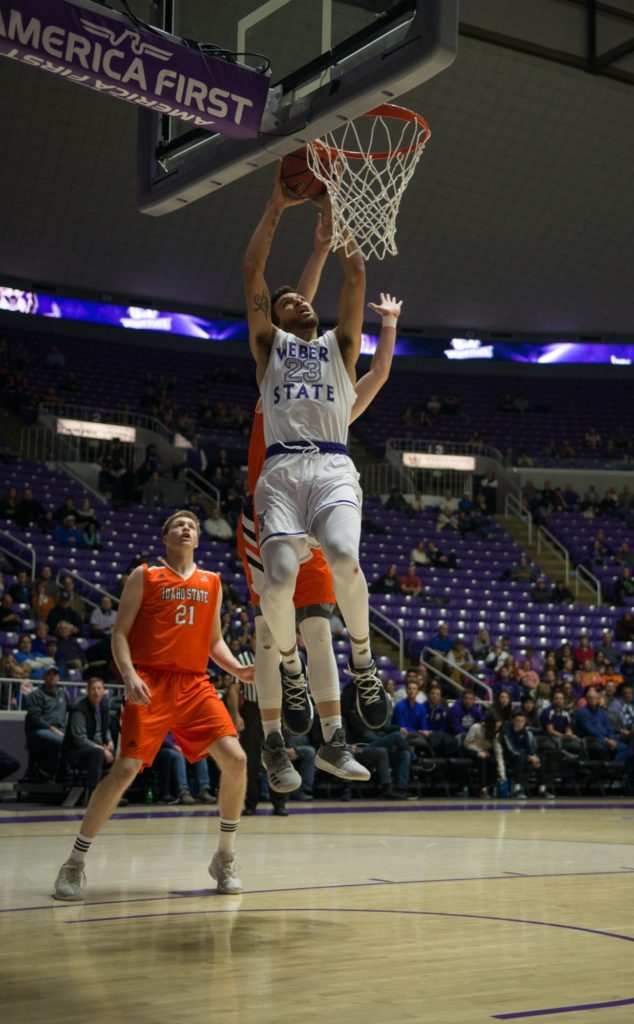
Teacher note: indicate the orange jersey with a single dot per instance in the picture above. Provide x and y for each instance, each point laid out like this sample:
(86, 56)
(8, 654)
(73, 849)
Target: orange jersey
(174, 624)
(257, 451)
(314, 582)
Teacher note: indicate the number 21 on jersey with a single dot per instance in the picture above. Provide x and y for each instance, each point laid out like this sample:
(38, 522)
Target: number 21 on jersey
(184, 615)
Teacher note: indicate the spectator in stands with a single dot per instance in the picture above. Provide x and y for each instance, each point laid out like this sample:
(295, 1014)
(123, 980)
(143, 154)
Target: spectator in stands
(410, 583)
(67, 508)
(621, 712)
(410, 715)
(496, 657)
(624, 629)
(411, 676)
(194, 504)
(216, 526)
(195, 458)
(527, 677)
(482, 744)
(41, 603)
(522, 571)
(447, 519)
(9, 504)
(504, 681)
(623, 587)
(607, 648)
(77, 603)
(45, 723)
(518, 745)
(584, 654)
(593, 723)
(87, 738)
(390, 738)
(489, 488)
(40, 638)
(503, 704)
(21, 591)
(418, 555)
(460, 659)
(626, 668)
(397, 503)
(481, 645)
(69, 653)
(609, 504)
(30, 660)
(561, 594)
(438, 559)
(30, 511)
(437, 736)
(55, 360)
(463, 713)
(624, 555)
(388, 583)
(91, 537)
(556, 723)
(153, 493)
(590, 502)
(86, 514)
(570, 496)
(68, 534)
(593, 439)
(442, 643)
(62, 612)
(540, 594)
(10, 619)
(45, 575)
(103, 618)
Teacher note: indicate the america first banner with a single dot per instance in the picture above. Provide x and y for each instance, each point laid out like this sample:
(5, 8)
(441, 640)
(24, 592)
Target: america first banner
(90, 45)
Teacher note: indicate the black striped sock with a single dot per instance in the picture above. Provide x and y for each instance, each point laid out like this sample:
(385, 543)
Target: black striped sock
(80, 849)
(227, 837)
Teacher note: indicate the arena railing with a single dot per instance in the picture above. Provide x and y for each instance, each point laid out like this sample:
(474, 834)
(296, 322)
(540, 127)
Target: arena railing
(390, 631)
(18, 550)
(201, 484)
(21, 689)
(546, 539)
(583, 575)
(126, 418)
(431, 659)
(513, 507)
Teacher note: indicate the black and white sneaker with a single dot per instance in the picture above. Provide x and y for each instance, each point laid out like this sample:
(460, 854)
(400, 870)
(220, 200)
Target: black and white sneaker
(373, 703)
(297, 707)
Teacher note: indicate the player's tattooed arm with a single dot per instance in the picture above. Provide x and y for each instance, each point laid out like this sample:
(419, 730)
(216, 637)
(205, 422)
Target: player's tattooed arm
(262, 303)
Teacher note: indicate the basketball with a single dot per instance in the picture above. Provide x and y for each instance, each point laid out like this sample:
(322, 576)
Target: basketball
(298, 178)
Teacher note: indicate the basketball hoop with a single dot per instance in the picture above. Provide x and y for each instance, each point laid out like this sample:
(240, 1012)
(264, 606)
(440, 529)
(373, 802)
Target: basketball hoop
(366, 166)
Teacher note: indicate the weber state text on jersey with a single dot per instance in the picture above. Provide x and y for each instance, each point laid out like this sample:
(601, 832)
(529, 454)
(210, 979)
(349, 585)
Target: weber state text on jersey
(173, 627)
(306, 391)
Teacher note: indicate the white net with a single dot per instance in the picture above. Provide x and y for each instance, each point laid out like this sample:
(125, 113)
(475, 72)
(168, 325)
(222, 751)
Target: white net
(366, 166)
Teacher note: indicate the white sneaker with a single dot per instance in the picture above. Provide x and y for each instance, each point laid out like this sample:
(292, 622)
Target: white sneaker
(336, 758)
(70, 884)
(224, 868)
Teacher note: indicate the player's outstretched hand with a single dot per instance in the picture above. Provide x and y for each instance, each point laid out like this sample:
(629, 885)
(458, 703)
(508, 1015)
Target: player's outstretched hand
(388, 306)
(137, 692)
(281, 194)
(246, 673)
(323, 230)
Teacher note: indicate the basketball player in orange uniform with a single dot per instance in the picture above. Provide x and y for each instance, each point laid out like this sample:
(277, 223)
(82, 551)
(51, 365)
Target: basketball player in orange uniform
(314, 599)
(167, 628)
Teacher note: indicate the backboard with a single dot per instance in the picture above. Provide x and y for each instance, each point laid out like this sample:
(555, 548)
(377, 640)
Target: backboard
(330, 61)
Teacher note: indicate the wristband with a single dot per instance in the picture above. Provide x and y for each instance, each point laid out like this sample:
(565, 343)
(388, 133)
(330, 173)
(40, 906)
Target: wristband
(389, 321)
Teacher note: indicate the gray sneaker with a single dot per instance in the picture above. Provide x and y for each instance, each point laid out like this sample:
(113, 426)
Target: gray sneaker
(336, 758)
(224, 868)
(282, 776)
(70, 884)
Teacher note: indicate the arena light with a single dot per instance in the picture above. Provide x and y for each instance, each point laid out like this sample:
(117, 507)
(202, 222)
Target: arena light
(427, 460)
(96, 431)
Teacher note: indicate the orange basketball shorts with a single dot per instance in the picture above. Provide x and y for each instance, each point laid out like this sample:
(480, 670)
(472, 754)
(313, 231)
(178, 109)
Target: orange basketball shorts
(183, 703)
(314, 580)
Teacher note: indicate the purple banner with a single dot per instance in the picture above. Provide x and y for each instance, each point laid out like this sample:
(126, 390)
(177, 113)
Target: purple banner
(105, 51)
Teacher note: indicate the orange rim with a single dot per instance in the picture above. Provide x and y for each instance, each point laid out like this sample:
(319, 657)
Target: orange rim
(383, 110)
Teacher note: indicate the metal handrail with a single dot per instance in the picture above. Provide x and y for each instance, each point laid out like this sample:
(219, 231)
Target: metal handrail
(65, 468)
(87, 583)
(591, 579)
(514, 507)
(399, 642)
(545, 537)
(30, 561)
(203, 485)
(473, 681)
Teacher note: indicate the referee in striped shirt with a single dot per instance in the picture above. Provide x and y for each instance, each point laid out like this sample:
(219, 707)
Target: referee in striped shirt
(242, 704)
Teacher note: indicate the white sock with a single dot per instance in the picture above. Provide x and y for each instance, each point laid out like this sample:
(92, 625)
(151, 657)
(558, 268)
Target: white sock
(79, 850)
(329, 725)
(271, 725)
(361, 653)
(227, 837)
(292, 664)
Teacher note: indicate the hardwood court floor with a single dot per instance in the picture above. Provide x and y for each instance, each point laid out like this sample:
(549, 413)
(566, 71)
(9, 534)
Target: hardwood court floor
(435, 912)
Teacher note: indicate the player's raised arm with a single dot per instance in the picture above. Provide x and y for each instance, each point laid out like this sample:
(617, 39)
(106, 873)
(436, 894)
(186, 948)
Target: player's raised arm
(368, 386)
(222, 656)
(136, 691)
(258, 299)
(351, 305)
(311, 275)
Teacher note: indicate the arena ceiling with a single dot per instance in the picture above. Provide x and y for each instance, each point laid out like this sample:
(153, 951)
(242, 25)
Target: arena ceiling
(520, 217)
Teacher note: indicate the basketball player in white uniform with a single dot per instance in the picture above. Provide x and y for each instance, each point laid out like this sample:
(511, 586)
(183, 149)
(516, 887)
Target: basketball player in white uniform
(308, 489)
